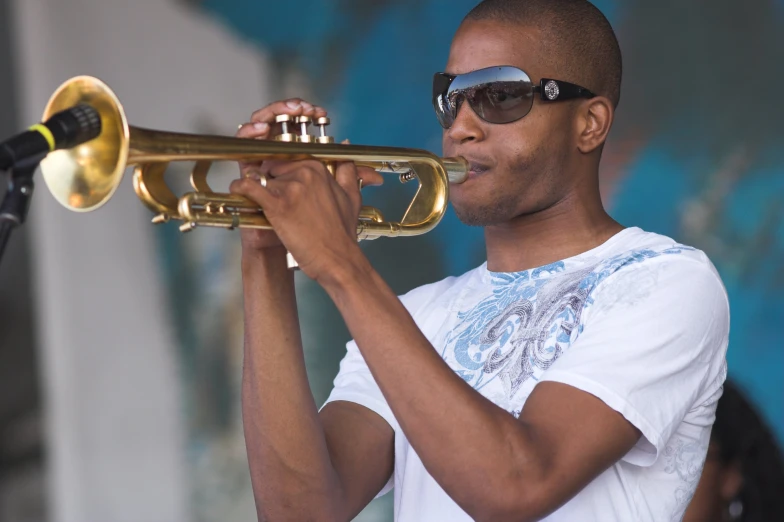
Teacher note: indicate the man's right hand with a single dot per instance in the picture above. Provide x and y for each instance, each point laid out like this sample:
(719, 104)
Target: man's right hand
(259, 127)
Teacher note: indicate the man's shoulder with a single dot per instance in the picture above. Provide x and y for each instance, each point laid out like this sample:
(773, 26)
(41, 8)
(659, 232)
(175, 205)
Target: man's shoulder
(654, 265)
(641, 249)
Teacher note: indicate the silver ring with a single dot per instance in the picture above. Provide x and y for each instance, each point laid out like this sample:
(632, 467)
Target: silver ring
(263, 181)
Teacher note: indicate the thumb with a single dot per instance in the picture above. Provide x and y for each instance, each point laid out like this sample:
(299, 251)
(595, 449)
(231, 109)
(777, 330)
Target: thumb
(346, 177)
(369, 176)
(251, 189)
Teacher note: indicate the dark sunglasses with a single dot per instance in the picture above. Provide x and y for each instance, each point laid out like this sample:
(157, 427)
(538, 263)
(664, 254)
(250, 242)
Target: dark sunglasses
(500, 94)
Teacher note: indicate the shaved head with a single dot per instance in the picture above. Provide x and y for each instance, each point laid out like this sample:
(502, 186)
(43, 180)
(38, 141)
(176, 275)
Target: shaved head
(578, 42)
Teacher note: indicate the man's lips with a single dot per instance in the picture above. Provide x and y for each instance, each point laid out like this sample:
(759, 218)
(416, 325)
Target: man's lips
(476, 169)
(478, 165)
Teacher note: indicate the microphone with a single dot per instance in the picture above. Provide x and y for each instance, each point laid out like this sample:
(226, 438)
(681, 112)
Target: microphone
(64, 130)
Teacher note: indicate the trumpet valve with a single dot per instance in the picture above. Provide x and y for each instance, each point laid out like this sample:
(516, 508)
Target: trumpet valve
(283, 121)
(322, 132)
(303, 136)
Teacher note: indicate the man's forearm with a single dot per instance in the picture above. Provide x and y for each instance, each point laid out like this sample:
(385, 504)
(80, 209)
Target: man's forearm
(290, 467)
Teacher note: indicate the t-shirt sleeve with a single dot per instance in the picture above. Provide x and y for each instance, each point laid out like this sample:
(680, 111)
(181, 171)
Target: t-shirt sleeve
(651, 345)
(355, 383)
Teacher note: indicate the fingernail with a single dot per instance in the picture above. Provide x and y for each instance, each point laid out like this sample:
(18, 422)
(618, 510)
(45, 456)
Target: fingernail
(293, 104)
(261, 127)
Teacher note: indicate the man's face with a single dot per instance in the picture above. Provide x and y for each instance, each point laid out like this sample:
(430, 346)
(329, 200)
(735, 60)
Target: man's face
(518, 168)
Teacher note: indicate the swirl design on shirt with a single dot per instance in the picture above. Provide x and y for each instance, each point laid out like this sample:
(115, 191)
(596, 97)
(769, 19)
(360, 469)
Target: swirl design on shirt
(528, 321)
(685, 459)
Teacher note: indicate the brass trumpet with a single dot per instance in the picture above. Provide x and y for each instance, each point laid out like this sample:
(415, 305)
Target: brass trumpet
(85, 177)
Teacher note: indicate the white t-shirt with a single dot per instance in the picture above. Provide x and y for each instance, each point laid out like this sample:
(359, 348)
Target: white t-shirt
(641, 322)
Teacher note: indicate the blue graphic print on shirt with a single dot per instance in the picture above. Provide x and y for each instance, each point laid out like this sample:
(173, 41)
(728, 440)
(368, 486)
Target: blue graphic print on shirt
(530, 318)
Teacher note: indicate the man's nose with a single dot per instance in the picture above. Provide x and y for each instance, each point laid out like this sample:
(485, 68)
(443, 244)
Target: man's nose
(467, 125)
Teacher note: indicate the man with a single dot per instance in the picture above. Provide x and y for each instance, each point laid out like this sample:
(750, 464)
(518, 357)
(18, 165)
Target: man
(574, 376)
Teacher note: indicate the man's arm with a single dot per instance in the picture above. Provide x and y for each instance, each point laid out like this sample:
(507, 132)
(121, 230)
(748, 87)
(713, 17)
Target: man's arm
(304, 466)
(362, 448)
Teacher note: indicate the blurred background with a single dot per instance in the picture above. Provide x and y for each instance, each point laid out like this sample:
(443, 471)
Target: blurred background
(120, 341)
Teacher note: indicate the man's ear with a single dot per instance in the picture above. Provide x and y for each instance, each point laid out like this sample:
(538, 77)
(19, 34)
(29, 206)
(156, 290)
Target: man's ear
(594, 119)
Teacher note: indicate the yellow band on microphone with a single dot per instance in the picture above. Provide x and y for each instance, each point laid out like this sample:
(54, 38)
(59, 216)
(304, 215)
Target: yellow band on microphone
(44, 131)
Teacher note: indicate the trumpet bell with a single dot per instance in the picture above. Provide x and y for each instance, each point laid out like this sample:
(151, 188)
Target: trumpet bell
(85, 177)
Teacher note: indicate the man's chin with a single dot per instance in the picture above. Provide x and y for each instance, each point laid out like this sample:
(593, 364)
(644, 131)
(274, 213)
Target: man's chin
(477, 216)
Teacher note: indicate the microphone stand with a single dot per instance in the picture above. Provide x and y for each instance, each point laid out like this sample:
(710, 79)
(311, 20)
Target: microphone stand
(16, 203)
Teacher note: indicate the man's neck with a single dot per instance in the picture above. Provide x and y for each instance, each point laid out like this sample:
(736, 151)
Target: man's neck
(566, 229)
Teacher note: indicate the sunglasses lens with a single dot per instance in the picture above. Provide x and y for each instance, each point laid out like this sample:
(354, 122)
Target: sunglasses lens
(503, 102)
(443, 111)
(496, 94)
